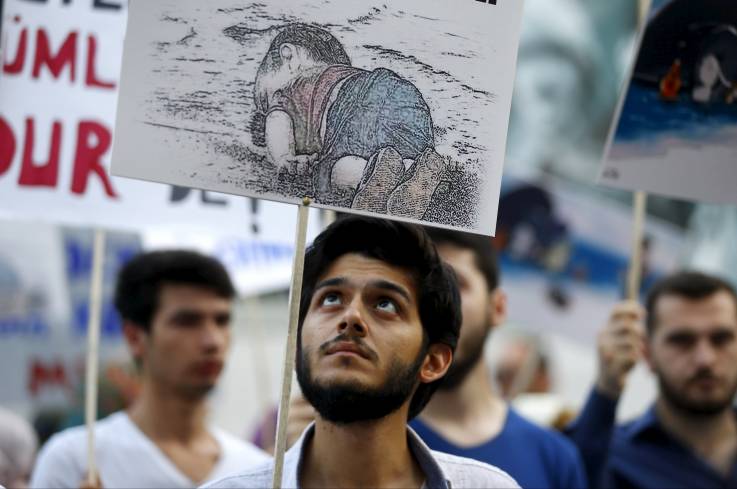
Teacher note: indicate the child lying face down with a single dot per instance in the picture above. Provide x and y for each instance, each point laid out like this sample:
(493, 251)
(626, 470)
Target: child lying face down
(369, 130)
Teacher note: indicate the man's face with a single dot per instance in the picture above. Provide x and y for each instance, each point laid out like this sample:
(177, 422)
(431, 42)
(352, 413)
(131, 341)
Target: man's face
(185, 350)
(362, 348)
(477, 306)
(693, 351)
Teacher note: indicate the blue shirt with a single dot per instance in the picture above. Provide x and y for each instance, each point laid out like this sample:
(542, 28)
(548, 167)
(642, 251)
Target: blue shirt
(536, 458)
(639, 454)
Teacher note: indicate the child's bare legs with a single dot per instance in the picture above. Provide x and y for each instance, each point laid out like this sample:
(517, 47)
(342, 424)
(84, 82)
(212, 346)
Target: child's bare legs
(412, 197)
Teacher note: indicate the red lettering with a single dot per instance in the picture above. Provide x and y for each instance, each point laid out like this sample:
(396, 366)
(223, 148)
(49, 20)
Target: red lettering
(93, 141)
(7, 146)
(44, 175)
(55, 63)
(16, 66)
(42, 374)
(91, 78)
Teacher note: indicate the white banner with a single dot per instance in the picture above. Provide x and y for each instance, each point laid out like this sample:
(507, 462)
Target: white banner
(58, 95)
(396, 109)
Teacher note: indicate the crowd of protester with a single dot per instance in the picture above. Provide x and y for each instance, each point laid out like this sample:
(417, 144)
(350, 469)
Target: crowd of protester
(395, 392)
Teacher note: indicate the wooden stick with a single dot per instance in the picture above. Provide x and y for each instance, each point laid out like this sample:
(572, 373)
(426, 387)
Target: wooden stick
(295, 295)
(93, 345)
(634, 276)
(644, 8)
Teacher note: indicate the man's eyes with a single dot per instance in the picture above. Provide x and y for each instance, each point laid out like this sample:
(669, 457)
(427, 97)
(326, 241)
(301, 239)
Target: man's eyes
(383, 304)
(387, 305)
(682, 340)
(330, 299)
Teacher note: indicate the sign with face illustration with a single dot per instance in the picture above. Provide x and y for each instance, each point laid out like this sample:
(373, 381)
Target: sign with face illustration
(677, 130)
(397, 109)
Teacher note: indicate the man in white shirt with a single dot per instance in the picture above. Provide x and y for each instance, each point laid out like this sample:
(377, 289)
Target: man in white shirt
(176, 311)
(379, 320)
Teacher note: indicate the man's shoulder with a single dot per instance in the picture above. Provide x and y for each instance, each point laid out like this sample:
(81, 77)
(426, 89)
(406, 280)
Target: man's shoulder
(257, 477)
(77, 435)
(532, 433)
(467, 472)
(239, 449)
(646, 424)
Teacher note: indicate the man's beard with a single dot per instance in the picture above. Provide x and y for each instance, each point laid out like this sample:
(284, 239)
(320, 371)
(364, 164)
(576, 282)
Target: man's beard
(697, 408)
(350, 402)
(461, 367)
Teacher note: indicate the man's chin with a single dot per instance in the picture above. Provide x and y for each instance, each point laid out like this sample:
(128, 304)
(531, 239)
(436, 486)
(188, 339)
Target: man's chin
(197, 391)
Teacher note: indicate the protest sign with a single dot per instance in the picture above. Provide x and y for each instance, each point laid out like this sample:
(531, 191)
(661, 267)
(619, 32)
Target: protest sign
(396, 109)
(564, 256)
(44, 309)
(676, 130)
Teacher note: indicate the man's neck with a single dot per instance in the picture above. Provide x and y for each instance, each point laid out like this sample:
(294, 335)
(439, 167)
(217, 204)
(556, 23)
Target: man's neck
(714, 438)
(471, 413)
(366, 454)
(166, 417)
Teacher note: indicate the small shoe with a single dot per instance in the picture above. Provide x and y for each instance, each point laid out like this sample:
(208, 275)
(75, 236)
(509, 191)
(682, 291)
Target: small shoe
(383, 172)
(412, 197)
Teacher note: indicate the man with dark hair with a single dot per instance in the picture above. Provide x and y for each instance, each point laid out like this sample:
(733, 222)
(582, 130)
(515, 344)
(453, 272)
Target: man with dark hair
(176, 311)
(466, 417)
(688, 438)
(379, 320)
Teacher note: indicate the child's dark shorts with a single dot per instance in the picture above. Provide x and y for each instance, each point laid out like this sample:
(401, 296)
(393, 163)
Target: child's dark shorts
(374, 110)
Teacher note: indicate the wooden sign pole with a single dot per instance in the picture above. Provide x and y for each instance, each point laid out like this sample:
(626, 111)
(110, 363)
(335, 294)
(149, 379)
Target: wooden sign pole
(93, 346)
(291, 347)
(634, 275)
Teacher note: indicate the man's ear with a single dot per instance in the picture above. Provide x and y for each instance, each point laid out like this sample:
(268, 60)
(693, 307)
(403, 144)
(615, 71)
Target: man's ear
(135, 337)
(437, 360)
(497, 307)
(287, 54)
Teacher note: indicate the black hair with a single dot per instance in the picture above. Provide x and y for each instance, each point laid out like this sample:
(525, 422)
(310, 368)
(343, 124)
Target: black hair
(403, 245)
(140, 281)
(689, 284)
(481, 246)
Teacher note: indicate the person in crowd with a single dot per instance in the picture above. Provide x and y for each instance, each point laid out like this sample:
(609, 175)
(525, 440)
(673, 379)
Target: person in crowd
(18, 444)
(379, 320)
(688, 437)
(466, 417)
(176, 311)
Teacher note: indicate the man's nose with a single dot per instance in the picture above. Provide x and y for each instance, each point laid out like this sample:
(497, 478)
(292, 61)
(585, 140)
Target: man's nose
(214, 336)
(353, 321)
(705, 354)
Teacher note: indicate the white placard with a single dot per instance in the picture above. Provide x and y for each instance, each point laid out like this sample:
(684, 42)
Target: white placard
(393, 108)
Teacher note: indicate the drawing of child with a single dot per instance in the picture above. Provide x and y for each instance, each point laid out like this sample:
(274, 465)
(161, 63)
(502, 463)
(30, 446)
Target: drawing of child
(370, 129)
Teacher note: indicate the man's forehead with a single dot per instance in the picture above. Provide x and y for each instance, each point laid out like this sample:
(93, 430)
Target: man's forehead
(674, 310)
(183, 294)
(359, 270)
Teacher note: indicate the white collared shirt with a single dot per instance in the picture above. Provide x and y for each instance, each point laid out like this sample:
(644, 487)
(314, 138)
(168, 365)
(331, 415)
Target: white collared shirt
(442, 471)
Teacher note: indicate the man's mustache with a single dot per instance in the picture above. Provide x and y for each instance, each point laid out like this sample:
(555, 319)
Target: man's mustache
(703, 374)
(357, 341)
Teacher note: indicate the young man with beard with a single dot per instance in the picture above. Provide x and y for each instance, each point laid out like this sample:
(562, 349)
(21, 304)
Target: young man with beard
(379, 320)
(176, 311)
(688, 438)
(466, 417)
